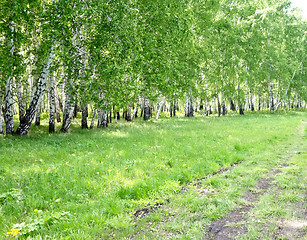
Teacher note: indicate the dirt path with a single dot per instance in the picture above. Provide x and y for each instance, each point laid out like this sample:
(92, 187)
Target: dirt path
(269, 191)
(235, 223)
(229, 227)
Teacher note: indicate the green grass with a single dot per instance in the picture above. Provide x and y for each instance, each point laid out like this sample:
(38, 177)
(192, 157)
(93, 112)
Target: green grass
(285, 204)
(88, 183)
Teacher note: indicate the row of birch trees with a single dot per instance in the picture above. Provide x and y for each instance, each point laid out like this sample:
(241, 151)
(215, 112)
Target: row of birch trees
(64, 57)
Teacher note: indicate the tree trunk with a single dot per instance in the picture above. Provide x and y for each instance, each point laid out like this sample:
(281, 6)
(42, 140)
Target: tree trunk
(224, 108)
(223, 104)
(218, 106)
(201, 107)
(232, 105)
(246, 105)
(63, 94)
(68, 109)
(75, 110)
(102, 118)
(128, 115)
(105, 119)
(251, 103)
(24, 126)
(84, 116)
(146, 109)
(142, 108)
(38, 112)
(207, 108)
(9, 88)
(9, 106)
(207, 102)
(240, 105)
(68, 114)
(1, 123)
(57, 105)
(20, 101)
(284, 97)
(159, 107)
(93, 120)
(174, 109)
(189, 111)
(171, 109)
(289, 103)
(259, 102)
(271, 100)
(52, 105)
(135, 113)
(115, 116)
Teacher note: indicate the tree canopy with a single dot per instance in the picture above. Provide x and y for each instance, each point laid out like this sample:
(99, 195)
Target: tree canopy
(111, 54)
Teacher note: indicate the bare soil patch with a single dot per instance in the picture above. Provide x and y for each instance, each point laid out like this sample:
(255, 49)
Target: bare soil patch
(232, 225)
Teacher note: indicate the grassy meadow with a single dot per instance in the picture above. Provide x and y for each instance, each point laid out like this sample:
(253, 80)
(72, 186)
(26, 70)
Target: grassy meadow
(87, 184)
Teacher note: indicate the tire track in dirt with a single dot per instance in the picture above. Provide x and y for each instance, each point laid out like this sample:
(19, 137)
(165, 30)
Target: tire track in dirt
(230, 226)
(234, 223)
(140, 213)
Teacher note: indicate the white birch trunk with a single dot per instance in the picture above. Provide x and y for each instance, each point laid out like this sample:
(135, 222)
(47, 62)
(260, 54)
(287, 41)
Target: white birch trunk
(251, 102)
(24, 126)
(52, 105)
(93, 119)
(115, 118)
(189, 111)
(38, 112)
(63, 94)
(159, 107)
(146, 109)
(271, 100)
(9, 106)
(223, 105)
(99, 121)
(68, 110)
(134, 113)
(102, 118)
(259, 102)
(84, 116)
(20, 100)
(240, 105)
(207, 102)
(1, 123)
(286, 93)
(105, 116)
(218, 105)
(9, 89)
(224, 108)
(128, 115)
(57, 105)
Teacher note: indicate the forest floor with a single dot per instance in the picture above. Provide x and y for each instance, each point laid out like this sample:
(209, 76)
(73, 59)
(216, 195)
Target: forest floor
(241, 177)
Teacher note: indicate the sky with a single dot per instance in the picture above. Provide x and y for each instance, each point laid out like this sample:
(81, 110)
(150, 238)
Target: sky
(301, 4)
